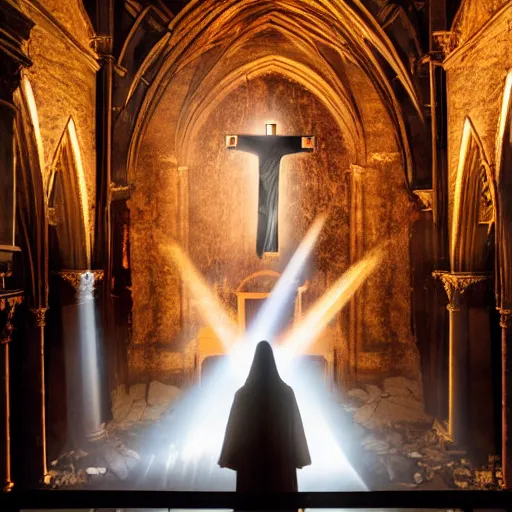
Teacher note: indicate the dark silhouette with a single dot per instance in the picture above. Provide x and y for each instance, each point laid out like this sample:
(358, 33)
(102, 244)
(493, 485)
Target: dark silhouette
(265, 441)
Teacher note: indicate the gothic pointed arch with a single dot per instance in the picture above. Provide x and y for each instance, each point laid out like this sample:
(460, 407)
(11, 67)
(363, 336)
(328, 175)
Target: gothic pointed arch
(474, 205)
(504, 193)
(31, 196)
(67, 202)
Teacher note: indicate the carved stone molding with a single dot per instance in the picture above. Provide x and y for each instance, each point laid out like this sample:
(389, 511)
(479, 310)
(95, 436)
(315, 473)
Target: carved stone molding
(445, 41)
(83, 282)
(8, 306)
(505, 318)
(425, 199)
(39, 316)
(457, 283)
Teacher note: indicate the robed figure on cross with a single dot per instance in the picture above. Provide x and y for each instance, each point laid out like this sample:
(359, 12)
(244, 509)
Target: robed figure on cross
(270, 148)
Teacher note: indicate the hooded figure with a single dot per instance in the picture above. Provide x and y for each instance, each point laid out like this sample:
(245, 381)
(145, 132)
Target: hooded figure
(265, 441)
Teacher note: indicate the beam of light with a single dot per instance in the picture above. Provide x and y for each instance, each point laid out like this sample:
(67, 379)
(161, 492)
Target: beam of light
(304, 333)
(267, 320)
(87, 325)
(208, 305)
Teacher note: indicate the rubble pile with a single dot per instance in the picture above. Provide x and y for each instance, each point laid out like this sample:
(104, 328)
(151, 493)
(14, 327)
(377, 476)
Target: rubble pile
(404, 446)
(112, 459)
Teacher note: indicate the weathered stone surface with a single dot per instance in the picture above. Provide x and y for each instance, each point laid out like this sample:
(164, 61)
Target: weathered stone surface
(115, 462)
(153, 412)
(136, 412)
(373, 390)
(365, 413)
(138, 392)
(358, 396)
(121, 403)
(161, 395)
(401, 386)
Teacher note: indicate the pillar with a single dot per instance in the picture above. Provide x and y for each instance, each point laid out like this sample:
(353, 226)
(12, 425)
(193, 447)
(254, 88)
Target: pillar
(456, 285)
(506, 395)
(8, 303)
(40, 323)
(356, 326)
(81, 321)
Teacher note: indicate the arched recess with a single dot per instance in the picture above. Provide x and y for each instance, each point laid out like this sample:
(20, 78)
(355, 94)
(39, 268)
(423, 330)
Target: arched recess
(504, 201)
(68, 205)
(474, 205)
(326, 31)
(334, 98)
(31, 196)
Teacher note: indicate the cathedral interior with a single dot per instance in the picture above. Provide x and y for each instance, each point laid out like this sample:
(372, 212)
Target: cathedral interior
(182, 178)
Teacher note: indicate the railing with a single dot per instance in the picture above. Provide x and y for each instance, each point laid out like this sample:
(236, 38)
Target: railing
(447, 500)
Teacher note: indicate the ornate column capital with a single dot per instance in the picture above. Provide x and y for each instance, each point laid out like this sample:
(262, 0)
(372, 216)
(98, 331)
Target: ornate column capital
(505, 318)
(445, 41)
(8, 306)
(83, 282)
(457, 283)
(39, 316)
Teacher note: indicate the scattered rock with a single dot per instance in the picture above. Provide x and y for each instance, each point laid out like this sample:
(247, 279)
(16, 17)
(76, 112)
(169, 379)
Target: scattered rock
(96, 471)
(121, 403)
(395, 439)
(393, 384)
(358, 397)
(153, 412)
(418, 478)
(162, 395)
(484, 478)
(136, 412)
(414, 455)
(365, 413)
(115, 462)
(138, 392)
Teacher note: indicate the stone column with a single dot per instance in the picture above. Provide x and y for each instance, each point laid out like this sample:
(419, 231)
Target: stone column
(456, 284)
(8, 303)
(506, 395)
(40, 322)
(356, 327)
(81, 320)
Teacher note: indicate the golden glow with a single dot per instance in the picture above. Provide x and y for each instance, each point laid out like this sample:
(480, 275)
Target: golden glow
(271, 128)
(82, 187)
(468, 134)
(505, 112)
(34, 118)
(303, 333)
(204, 299)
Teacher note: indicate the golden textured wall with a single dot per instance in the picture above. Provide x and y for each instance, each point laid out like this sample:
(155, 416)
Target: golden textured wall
(476, 75)
(223, 209)
(63, 79)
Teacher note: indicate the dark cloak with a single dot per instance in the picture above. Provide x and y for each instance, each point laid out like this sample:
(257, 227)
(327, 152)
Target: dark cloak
(265, 441)
(270, 149)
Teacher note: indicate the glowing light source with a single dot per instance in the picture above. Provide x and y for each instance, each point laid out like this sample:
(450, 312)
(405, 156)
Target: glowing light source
(271, 128)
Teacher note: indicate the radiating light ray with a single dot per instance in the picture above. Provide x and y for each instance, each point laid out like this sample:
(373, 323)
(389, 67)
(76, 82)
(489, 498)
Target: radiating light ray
(304, 333)
(267, 320)
(208, 305)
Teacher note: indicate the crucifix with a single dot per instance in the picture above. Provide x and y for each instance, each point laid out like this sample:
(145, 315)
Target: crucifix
(270, 148)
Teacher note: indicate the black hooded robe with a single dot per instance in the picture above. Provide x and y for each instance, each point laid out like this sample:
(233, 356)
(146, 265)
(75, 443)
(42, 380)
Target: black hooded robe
(265, 441)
